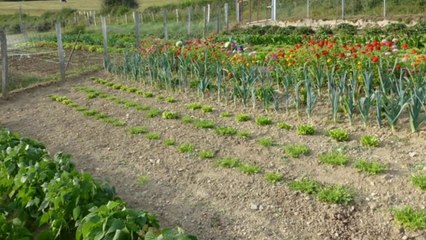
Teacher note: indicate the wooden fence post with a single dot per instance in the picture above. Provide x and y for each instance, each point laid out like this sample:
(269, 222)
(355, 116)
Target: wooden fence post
(61, 53)
(105, 41)
(138, 30)
(189, 21)
(204, 22)
(227, 16)
(5, 74)
(166, 33)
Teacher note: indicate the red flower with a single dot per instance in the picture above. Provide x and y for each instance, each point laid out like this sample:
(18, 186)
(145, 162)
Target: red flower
(404, 46)
(324, 52)
(374, 59)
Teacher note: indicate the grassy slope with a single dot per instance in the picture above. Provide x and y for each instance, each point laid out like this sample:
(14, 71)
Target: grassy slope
(38, 7)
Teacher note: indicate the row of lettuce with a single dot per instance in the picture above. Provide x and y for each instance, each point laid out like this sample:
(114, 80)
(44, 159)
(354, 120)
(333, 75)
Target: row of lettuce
(46, 197)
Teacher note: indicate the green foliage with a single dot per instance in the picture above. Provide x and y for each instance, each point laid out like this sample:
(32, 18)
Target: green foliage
(410, 218)
(283, 125)
(207, 109)
(154, 113)
(335, 194)
(305, 185)
(228, 162)
(369, 141)
(225, 114)
(334, 158)
(203, 154)
(170, 115)
(170, 100)
(226, 131)
(204, 123)
(274, 177)
(194, 106)
(153, 136)
(169, 142)
(244, 134)
(305, 129)
(296, 150)
(263, 121)
(339, 134)
(142, 180)
(249, 168)
(148, 94)
(242, 117)
(186, 148)
(370, 167)
(137, 130)
(187, 119)
(266, 142)
(419, 180)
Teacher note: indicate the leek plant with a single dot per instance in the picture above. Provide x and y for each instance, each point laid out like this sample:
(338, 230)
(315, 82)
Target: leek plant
(394, 104)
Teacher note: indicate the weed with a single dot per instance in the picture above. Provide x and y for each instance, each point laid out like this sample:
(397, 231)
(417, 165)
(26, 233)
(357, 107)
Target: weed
(81, 109)
(334, 158)
(339, 134)
(90, 112)
(129, 104)
(370, 167)
(224, 114)
(161, 98)
(142, 180)
(92, 95)
(154, 112)
(369, 141)
(228, 162)
(265, 142)
(114, 122)
(132, 89)
(186, 148)
(153, 136)
(226, 131)
(283, 125)
(203, 123)
(244, 134)
(137, 130)
(305, 185)
(263, 121)
(419, 181)
(169, 142)
(249, 168)
(170, 100)
(140, 107)
(274, 177)
(194, 106)
(335, 194)
(187, 119)
(305, 129)
(410, 218)
(101, 115)
(206, 154)
(242, 117)
(207, 109)
(170, 115)
(297, 150)
(148, 94)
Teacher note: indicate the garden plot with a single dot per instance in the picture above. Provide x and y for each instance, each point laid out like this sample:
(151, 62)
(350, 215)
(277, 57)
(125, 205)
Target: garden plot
(226, 172)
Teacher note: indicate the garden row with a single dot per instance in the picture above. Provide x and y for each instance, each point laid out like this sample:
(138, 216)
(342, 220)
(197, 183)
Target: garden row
(326, 193)
(46, 197)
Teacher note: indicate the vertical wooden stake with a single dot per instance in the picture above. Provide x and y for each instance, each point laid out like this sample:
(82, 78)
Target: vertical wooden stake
(177, 15)
(208, 13)
(189, 21)
(166, 33)
(105, 41)
(61, 53)
(205, 22)
(5, 74)
(227, 17)
(138, 30)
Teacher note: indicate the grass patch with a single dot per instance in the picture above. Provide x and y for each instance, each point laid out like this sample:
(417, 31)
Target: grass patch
(305, 185)
(137, 130)
(305, 129)
(153, 136)
(170, 115)
(285, 126)
(274, 177)
(148, 94)
(186, 148)
(244, 134)
(129, 104)
(410, 218)
(249, 169)
(142, 180)
(228, 162)
(224, 115)
(297, 150)
(194, 106)
(242, 117)
(266, 142)
(370, 167)
(204, 154)
(369, 141)
(187, 119)
(170, 100)
(207, 109)
(263, 121)
(90, 112)
(419, 180)
(334, 158)
(204, 124)
(339, 134)
(140, 107)
(336, 194)
(170, 142)
(226, 131)
(154, 113)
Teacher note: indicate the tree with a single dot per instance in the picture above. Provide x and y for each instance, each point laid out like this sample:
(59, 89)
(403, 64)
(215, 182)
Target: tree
(118, 6)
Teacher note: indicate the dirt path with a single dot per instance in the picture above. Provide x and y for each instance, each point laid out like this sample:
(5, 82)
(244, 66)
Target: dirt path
(217, 203)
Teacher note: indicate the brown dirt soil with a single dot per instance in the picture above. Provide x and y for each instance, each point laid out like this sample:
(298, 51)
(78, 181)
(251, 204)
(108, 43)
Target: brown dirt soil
(217, 203)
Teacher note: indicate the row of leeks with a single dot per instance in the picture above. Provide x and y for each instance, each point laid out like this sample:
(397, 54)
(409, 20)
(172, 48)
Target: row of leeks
(379, 89)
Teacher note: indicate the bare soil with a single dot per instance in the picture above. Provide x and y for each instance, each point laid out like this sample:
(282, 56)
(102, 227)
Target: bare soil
(216, 203)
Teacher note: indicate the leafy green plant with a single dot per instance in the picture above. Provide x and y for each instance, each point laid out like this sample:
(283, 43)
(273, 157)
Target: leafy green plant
(226, 131)
(242, 117)
(369, 141)
(154, 113)
(204, 123)
(207, 109)
(249, 168)
(228, 162)
(194, 106)
(170, 100)
(410, 217)
(370, 167)
(115, 122)
(225, 114)
(334, 158)
(263, 121)
(142, 180)
(169, 142)
(336, 194)
(305, 185)
(274, 177)
(203, 154)
(186, 148)
(296, 150)
(137, 130)
(419, 180)
(305, 129)
(283, 125)
(266, 142)
(148, 95)
(170, 115)
(153, 136)
(187, 119)
(244, 134)
(339, 134)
